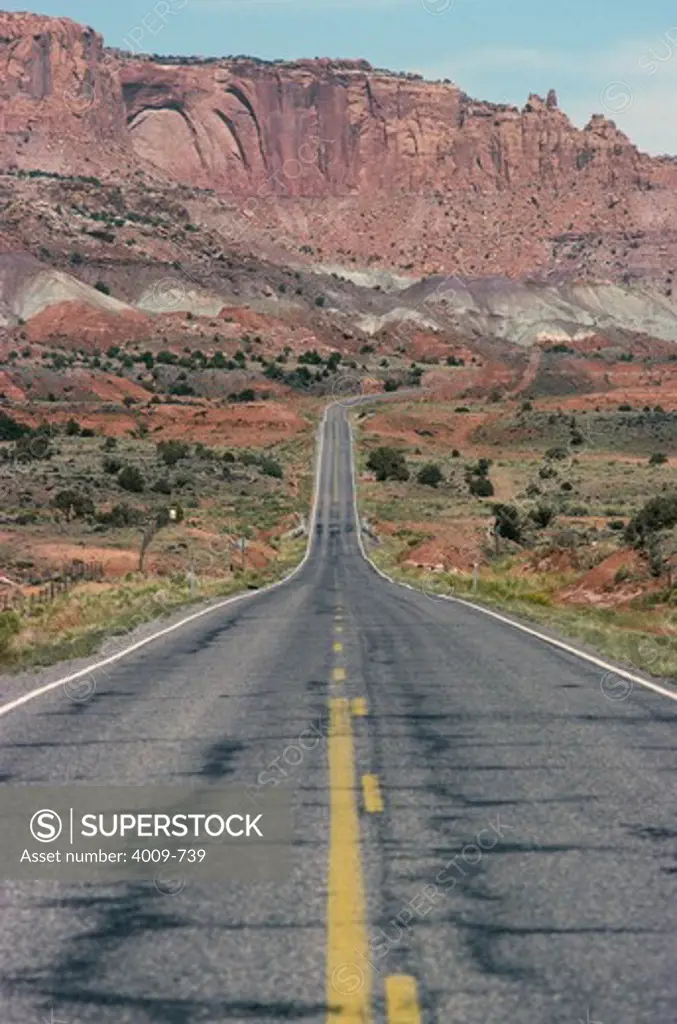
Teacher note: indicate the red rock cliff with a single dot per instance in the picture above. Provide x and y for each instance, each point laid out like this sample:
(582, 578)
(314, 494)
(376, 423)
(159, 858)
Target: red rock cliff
(60, 100)
(321, 127)
(304, 128)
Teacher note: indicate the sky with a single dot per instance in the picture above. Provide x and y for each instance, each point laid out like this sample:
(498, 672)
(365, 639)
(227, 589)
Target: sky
(615, 57)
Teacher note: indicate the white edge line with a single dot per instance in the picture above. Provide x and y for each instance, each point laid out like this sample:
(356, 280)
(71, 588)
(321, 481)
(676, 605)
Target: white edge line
(48, 687)
(671, 694)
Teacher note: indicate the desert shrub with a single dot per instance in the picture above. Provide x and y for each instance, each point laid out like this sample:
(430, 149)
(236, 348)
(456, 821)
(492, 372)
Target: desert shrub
(102, 287)
(388, 464)
(11, 429)
(616, 524)
(547, 472)
(171, 452)
(481, 487)
(391, 385)
(111, 465)
(556, 453)
(455, 454)
(566, 486)
(72, 428)
(271, 467)
(507, 523)
(182, 389)
(311, 356)
(430, 475)
(110, 443)
(131, 479)
(658, 459)
(202, 451)
(166, 357)
(480, 468)
(121, 515)
(659, 513)
(73, 504)
(162, 485)
(542, 516)
(247, 395)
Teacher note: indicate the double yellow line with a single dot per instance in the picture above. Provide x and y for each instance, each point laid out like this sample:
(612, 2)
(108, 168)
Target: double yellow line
(349, 972)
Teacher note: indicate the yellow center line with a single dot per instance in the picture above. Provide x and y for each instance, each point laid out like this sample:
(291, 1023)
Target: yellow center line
(371, 792)
(338, 646)
(338, 629)
(402, 1000)
(339, 675)
(359, 708)
(348, 973)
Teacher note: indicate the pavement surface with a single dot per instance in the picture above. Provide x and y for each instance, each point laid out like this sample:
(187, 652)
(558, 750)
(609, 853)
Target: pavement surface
(484, 830)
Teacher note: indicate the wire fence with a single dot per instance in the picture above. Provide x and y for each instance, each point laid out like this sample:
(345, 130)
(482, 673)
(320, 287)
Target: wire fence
(41, 591)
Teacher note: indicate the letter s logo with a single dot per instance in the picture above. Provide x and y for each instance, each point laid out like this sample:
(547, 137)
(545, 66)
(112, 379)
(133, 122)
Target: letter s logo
(46, 826)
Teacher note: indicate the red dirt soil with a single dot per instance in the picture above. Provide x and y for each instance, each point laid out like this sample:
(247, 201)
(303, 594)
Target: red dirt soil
(83, 326)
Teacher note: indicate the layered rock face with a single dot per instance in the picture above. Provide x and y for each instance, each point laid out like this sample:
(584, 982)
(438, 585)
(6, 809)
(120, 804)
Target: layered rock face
(353, 164)
(318, 128)
(60, 99)
(310, 128)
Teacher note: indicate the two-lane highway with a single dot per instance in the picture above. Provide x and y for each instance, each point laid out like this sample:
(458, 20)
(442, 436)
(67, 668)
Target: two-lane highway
(480, 833)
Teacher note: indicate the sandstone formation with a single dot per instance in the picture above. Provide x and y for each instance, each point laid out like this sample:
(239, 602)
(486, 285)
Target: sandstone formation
(310, 127)
(351, 165)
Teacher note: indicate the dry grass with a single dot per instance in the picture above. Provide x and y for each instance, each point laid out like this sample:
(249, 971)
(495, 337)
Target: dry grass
(75, 624)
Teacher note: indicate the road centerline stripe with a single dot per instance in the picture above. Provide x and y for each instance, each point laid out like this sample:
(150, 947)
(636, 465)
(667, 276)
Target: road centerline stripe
(359, 708)
(372, 796)
(402, 1003)
(348, 980)
(339, 675)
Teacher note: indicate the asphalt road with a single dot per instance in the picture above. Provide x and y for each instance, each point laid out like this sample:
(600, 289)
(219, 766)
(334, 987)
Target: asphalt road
(483, 832)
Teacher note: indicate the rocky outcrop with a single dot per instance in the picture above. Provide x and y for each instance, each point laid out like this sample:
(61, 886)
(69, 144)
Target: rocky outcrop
(60, 99)
(349, 164)
(316, 128)
(307, 128)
